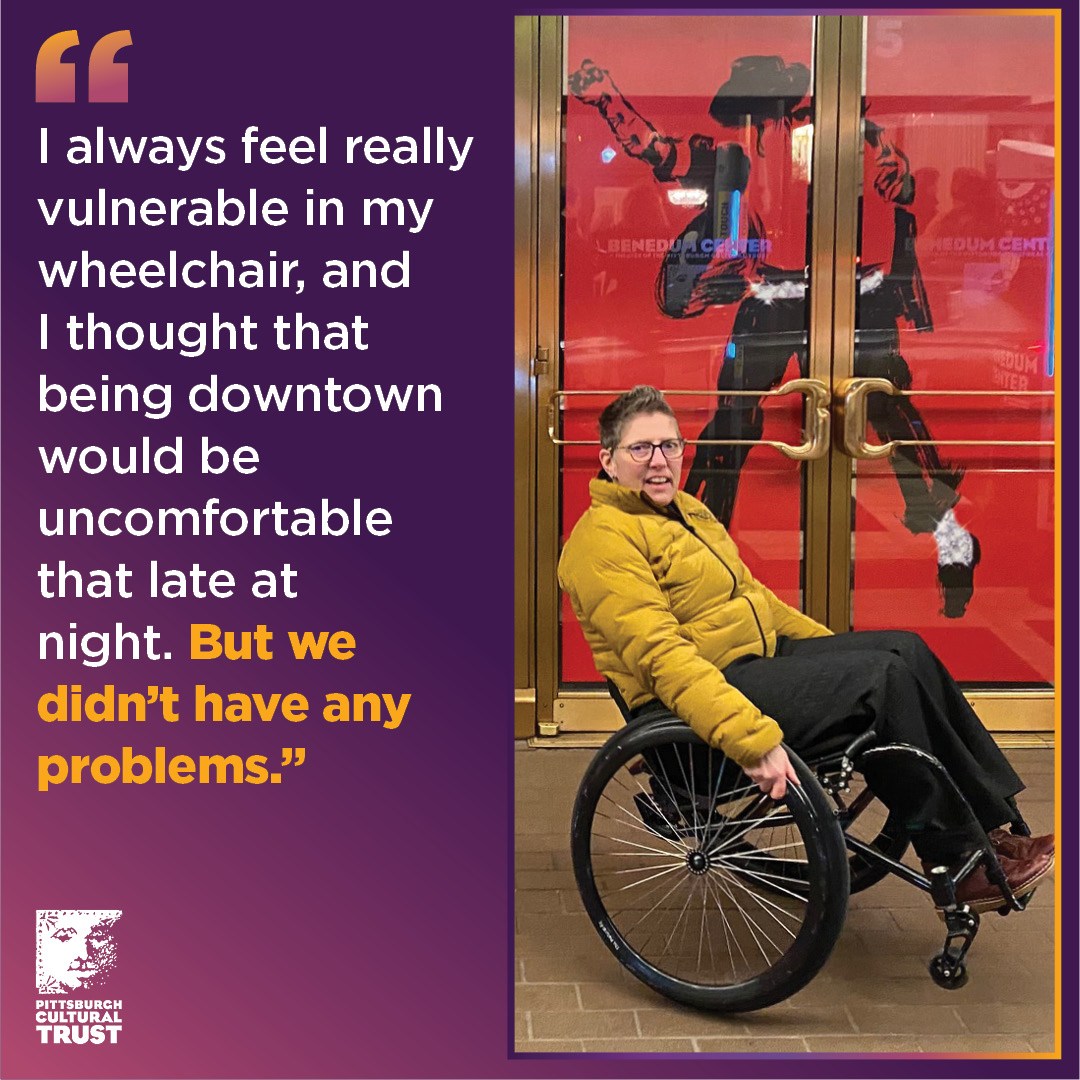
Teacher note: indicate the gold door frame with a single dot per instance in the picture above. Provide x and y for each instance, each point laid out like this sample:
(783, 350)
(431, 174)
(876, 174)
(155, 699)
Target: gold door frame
(526, 98)
(549, 237)
(838, 175)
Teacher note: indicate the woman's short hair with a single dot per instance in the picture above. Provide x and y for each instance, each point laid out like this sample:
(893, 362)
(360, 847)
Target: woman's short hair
(640, 401)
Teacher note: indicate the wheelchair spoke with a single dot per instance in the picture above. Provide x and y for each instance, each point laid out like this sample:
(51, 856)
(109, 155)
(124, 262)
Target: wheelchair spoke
(745, 870)
(747, 824)
(678, 882)
(762, 904)
(634, 822)
(712, 794)
(688, 783)
(758, 852)
(705, 932)
(644, 869)
(669, 791)
(729, 930)
(719, 820)
(609, 869)
(645, 881)
(670, 852)
(654, 803)
(651, 910)
(765, 878)
(667, 786)
(684, 953)
(641, 897)
(750, 826)
(674, 929)
(750, 922)
(647, 853)
(762, 901)
(632, 815)
(680, 920)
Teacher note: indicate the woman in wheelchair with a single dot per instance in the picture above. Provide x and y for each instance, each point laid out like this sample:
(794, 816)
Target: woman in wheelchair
(680, 628)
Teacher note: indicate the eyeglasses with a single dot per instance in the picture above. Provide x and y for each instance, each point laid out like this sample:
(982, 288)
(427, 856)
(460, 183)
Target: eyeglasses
(643, 451)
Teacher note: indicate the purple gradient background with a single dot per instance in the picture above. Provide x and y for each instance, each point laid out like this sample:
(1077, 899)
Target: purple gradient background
(353, 919)
(309, 928)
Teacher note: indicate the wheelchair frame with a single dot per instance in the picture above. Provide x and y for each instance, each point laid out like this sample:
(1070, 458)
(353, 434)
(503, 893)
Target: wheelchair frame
(708, 848)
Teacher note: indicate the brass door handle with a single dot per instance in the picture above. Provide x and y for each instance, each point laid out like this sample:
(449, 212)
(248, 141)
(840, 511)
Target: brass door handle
(849, 401)
(817, 419)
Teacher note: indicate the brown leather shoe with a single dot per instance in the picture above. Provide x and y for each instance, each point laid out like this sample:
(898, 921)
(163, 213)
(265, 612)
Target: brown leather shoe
(1020, 847)
(980, 894)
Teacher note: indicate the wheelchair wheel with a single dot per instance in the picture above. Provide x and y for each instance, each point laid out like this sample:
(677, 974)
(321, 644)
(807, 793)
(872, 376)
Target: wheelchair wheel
(705, 889)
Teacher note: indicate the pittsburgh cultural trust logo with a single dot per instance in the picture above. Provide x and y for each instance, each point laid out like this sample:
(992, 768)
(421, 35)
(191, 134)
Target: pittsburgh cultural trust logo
(76, 953)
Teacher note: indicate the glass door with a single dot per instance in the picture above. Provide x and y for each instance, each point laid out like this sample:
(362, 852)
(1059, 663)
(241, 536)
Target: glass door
(949, 414)
(758, 214)
(687, 240)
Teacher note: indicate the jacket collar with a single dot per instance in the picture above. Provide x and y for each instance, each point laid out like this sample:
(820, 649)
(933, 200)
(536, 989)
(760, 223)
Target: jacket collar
(608, 493)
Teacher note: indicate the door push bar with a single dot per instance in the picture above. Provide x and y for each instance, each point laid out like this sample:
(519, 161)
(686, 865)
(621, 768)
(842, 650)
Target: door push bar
(850, 404)
(816, 417)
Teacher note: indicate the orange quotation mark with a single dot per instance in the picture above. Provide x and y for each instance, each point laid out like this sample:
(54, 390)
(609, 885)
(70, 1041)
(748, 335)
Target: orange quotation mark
(55, 80)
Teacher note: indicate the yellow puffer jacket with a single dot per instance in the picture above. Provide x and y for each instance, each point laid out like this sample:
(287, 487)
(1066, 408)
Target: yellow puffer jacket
(666, 603)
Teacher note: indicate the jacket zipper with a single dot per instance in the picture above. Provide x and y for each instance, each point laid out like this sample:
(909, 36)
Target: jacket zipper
(753, 611)
(677, 514)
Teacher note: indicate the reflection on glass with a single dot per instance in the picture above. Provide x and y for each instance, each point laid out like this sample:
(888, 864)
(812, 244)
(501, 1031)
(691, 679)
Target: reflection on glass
(956, 279)
(687, 151)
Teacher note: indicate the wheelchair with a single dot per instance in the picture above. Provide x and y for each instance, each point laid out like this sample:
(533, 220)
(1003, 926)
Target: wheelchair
(716, 896)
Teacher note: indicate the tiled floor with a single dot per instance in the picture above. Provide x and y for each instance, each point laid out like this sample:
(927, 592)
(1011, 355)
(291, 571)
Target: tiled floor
(873, 995)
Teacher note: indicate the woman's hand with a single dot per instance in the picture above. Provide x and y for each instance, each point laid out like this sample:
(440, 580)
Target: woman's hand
(772, 773)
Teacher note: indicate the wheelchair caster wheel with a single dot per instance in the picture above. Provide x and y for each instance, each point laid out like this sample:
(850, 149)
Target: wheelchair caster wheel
(950, 974)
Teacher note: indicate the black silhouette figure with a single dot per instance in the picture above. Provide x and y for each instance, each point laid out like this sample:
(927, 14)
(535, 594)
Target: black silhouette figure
(710, 263)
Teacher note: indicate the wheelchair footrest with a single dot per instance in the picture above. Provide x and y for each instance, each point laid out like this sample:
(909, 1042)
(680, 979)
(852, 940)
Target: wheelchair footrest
(1018, 903)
